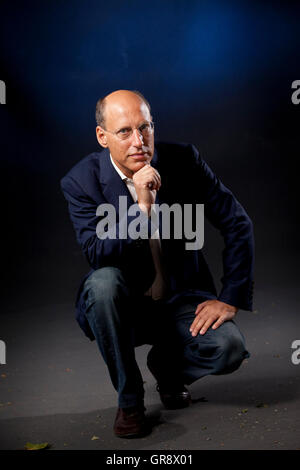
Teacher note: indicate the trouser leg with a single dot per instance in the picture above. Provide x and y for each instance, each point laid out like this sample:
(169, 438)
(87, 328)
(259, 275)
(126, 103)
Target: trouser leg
(110, 308)
(184, 358)
(165, 358)
(217, 352)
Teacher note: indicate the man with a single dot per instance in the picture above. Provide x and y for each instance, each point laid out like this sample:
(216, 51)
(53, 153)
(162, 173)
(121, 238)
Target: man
(153, 290)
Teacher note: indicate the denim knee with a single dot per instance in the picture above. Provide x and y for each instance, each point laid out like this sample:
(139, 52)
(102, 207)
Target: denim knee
(104, 286)
(231, 352)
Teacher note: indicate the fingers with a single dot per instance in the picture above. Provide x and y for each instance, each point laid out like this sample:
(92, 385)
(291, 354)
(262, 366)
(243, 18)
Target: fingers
(203, 322)
(147, 177)
(211, 313)
(148, 169)
(156, 183)
(200, 307)
(156, 180)
(218, 322)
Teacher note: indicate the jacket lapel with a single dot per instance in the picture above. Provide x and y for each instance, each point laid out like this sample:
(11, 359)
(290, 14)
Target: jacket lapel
(159, 195)
(111, 183)
(113, 186)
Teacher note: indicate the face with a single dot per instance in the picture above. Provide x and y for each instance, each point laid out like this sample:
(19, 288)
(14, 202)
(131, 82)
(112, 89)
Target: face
(123, 112)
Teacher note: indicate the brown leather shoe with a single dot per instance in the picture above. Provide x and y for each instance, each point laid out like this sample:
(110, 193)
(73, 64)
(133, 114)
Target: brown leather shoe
(131, 422)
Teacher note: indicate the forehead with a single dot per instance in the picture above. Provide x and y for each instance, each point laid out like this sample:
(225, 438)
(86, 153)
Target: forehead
(128, 112)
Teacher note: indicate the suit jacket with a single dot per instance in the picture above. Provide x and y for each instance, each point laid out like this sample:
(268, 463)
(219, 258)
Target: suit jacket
(186, 179)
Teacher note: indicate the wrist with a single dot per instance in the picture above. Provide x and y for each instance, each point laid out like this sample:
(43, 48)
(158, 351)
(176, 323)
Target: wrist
(146, 208)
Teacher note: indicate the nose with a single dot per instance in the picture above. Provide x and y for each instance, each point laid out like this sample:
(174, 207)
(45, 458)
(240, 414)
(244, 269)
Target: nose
(137, 138)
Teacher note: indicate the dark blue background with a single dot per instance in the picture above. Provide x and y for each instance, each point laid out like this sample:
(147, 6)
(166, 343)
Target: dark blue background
(217, 74)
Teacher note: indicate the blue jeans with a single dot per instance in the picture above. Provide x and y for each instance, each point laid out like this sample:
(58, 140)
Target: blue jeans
(122, 319)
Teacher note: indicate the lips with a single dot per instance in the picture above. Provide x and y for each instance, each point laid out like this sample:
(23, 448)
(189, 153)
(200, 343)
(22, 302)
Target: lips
(139, 156)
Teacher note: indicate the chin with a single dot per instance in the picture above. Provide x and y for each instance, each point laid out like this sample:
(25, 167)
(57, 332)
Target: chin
(137, 166)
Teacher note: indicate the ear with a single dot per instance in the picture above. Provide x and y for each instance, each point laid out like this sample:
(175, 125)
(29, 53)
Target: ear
(101, 137)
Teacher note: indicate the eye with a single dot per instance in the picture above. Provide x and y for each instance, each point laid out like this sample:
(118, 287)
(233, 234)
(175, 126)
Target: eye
(124, 131)
(144, 127)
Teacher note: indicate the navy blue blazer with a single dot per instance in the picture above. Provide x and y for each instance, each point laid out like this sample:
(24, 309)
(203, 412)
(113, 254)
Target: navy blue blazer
(186, 179)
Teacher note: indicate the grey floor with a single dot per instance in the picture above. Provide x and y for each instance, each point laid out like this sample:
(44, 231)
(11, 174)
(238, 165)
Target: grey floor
(55, 388)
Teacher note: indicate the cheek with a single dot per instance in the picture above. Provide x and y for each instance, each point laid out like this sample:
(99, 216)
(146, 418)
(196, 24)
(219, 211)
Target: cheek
(151, 142)
(119, 151)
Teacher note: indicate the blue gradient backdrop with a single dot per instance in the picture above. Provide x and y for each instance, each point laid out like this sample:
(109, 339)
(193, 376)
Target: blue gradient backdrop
(217, 74)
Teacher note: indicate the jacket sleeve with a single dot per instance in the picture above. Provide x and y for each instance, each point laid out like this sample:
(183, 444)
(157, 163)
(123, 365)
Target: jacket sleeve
(114, 251)
(226, 214)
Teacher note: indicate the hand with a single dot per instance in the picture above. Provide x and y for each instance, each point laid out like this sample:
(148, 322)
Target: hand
(146, 182)
(211, 312)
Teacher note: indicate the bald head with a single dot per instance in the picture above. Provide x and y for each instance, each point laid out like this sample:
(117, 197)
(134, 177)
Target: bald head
(125, 127)
(116, 100)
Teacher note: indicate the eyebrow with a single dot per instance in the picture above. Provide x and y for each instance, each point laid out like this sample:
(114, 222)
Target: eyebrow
(123, 127)
(129, 127)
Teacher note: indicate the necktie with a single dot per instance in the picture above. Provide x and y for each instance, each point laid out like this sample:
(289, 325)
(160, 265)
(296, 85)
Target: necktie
(158, 288)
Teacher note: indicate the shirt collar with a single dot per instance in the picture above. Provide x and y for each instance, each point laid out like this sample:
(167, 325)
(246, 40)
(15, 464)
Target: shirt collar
(123, 177)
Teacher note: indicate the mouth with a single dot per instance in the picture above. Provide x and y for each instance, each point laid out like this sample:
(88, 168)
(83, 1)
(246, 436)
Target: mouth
(140, 157)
